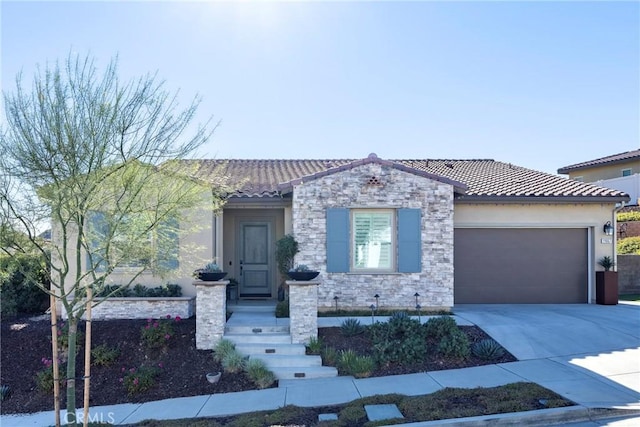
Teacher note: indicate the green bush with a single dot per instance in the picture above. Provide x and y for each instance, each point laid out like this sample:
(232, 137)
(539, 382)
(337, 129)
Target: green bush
(282, 309)
(104, 355)
(352, 414)
(629, 246)
(139, 380)
(258, 372)
(329, 356)
(222, 348)
(351, 327)
(628, 216)
(20, 275)
(233, 362)
(315, 345)
(400, 340)
(439, 327)
(454, 345)
(157, 333)
(488, 349)
(5, 392)
(44, 377)
(286, 416)
(140, 291)
(350, 363)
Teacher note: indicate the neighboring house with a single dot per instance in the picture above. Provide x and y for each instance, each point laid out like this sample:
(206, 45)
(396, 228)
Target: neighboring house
(619, 171)
(451, 231)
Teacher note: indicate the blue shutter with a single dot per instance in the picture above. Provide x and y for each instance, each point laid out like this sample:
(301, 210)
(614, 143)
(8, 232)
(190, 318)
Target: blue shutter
(168, 244)
(409, 241)
(337, 240)
(98, 229)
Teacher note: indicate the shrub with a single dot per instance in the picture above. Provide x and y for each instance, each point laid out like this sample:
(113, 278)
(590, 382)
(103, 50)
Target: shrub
(258, 372)
(628, 216)
(139, 380)
(629, 246)
(352, 415)
(439, 327)
(63, 336)
(20, 275)
(329, 356)
(488, 349)
(454, 345)
(359, 366)
(351, 327)
(315, 345)
(103, 355)
(157, 333)
(44, 377)
(400, 340)
(282, 309)
(140, 291)
(233, 362)
(222, 348)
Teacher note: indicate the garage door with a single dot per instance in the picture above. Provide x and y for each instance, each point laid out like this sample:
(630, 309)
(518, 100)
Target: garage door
(520, 265)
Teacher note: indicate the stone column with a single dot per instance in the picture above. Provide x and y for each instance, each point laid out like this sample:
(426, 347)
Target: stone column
(303, 310)
(211, 312)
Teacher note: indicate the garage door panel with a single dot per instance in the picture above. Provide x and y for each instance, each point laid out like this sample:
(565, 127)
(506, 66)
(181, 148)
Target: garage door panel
(508, 266)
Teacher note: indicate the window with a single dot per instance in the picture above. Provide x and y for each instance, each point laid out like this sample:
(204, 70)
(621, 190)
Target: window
(372, 239)
(626, 172)
(134, 242)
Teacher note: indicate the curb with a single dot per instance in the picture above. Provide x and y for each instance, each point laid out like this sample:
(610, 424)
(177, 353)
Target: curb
(542, 417)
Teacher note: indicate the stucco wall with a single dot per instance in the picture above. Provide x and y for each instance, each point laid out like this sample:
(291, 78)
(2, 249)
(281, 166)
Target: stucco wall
(544, 215)
(349, 189)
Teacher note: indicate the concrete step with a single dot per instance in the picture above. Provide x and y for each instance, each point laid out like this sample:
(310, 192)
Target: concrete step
(252, 308)
(304, 373)
(255, 329)
(263, 348)
(262, 338)
(288, 361)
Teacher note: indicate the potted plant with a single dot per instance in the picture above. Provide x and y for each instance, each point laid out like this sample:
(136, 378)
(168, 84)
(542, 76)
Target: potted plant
(286, 249)
(302, 272)
(606, 283)
(209, 273)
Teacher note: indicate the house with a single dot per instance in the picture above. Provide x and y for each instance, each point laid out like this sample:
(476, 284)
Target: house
(619, 171)
(432, 232)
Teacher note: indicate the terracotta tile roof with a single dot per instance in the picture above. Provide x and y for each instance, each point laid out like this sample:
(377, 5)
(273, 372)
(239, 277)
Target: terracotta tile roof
(483, 179)
(616, 158)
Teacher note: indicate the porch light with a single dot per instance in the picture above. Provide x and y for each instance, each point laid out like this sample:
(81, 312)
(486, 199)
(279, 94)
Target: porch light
(608, 228)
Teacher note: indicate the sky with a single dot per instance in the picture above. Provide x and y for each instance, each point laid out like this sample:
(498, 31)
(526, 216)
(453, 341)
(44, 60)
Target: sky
(538, 84)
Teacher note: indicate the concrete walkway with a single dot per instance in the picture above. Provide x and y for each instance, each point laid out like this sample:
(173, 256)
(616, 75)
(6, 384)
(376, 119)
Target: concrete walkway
(589, 354)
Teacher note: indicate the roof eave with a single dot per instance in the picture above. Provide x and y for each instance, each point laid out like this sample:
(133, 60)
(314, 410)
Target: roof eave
(541, 199)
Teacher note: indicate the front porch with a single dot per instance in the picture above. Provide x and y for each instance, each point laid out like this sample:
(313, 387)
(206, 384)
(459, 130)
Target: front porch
(256, 331)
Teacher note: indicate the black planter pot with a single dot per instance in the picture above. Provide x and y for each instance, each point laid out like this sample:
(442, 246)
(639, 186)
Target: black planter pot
(211, 277)
(303, 275)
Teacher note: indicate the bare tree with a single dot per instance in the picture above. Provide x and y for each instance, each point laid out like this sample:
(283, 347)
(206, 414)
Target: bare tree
(99, 159)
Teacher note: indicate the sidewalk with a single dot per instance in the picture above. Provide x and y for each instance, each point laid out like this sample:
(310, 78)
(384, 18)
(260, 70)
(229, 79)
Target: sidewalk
(589, 390)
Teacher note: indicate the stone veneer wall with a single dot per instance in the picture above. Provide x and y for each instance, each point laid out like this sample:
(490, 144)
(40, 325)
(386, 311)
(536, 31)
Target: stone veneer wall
(628, 274)
(303, 312)
(212, 313)
(352, 188)
(142, 308)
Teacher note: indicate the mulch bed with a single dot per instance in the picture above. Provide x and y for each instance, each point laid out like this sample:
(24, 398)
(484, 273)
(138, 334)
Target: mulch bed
(26, 341)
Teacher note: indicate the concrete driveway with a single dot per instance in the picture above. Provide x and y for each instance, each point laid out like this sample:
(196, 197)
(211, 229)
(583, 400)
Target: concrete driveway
(558, 341)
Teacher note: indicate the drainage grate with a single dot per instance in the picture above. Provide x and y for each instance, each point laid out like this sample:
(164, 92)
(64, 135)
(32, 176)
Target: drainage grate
(256, 330)
(299, 375)
(270, 350)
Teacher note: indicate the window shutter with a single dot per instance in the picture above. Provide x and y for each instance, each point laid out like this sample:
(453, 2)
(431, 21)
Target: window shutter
(409, 241)
(337, 240)
(168, 244)
(98, 229)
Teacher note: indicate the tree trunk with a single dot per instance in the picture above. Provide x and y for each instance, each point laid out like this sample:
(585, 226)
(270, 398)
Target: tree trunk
(71, 371)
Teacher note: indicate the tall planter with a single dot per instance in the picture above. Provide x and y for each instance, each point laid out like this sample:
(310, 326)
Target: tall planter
(607, 287)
